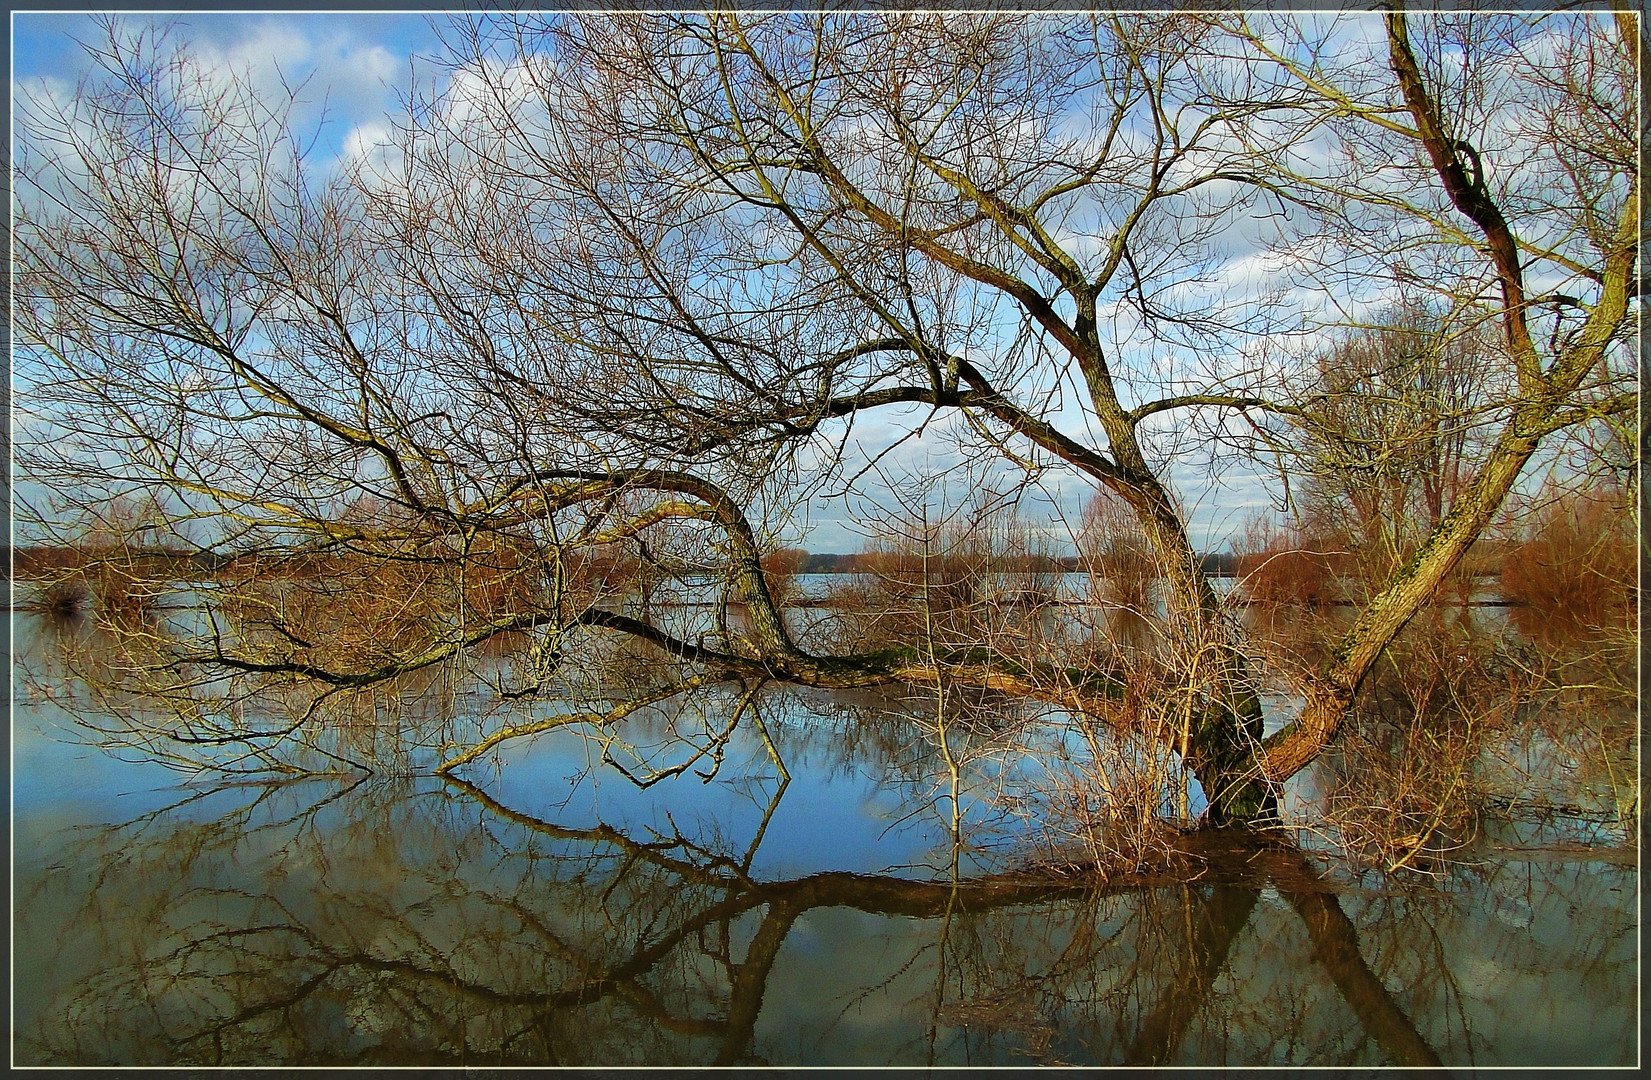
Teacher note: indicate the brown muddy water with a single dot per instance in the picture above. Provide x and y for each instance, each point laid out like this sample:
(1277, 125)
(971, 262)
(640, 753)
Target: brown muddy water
(539, 909)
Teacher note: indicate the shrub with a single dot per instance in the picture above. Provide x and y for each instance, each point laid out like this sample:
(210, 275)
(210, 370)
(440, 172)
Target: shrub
(1574, 564)
(67, 596)
(1286, 566)
(1112, 549)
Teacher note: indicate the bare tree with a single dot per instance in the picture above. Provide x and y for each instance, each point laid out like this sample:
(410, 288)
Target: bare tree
(1386, 433)
(1114, 553)
(633, 280)
(1448, 190)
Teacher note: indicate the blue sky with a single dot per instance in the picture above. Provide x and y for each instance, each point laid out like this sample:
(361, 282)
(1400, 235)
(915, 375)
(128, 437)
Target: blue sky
(355, 63)
(45, 44)
(356, 66)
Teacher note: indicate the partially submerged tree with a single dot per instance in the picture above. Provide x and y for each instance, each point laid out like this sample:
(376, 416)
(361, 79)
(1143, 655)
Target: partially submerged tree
(632, 281)
(1115, 554)
(1388, 423)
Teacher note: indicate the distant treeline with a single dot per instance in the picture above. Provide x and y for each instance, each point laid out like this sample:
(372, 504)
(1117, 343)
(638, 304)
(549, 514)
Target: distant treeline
(38, 559)
(1219, 565)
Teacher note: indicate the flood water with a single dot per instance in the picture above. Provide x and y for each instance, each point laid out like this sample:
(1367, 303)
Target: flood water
(538, 908)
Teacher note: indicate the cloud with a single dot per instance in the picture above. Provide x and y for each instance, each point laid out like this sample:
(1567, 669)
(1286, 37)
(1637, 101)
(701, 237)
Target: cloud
(345, 72)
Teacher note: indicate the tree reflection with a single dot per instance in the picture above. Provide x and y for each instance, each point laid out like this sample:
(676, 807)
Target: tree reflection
(423, 923)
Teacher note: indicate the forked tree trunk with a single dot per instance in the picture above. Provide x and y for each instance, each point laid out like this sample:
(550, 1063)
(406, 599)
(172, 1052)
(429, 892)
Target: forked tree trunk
(1545, 405)
(1225, 728)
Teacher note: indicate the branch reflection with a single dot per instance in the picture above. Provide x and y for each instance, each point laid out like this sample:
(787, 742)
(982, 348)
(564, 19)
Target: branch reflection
(424, 922)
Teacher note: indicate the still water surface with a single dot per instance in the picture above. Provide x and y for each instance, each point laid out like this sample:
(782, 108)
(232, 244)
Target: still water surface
(541, 911)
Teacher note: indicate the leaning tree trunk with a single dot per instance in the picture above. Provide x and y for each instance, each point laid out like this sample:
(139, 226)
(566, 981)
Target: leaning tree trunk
(1546, 403)
(1225, 726)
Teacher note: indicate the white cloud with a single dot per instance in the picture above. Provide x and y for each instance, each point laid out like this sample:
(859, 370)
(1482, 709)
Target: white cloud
(344, 73)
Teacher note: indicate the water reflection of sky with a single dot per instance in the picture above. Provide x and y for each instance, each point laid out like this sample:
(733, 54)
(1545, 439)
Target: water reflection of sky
(834, 814)
(1518, 957)
(55, 774)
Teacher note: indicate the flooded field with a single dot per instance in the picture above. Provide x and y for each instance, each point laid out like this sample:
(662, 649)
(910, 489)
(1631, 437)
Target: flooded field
(817, 903)
(1214, 437)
